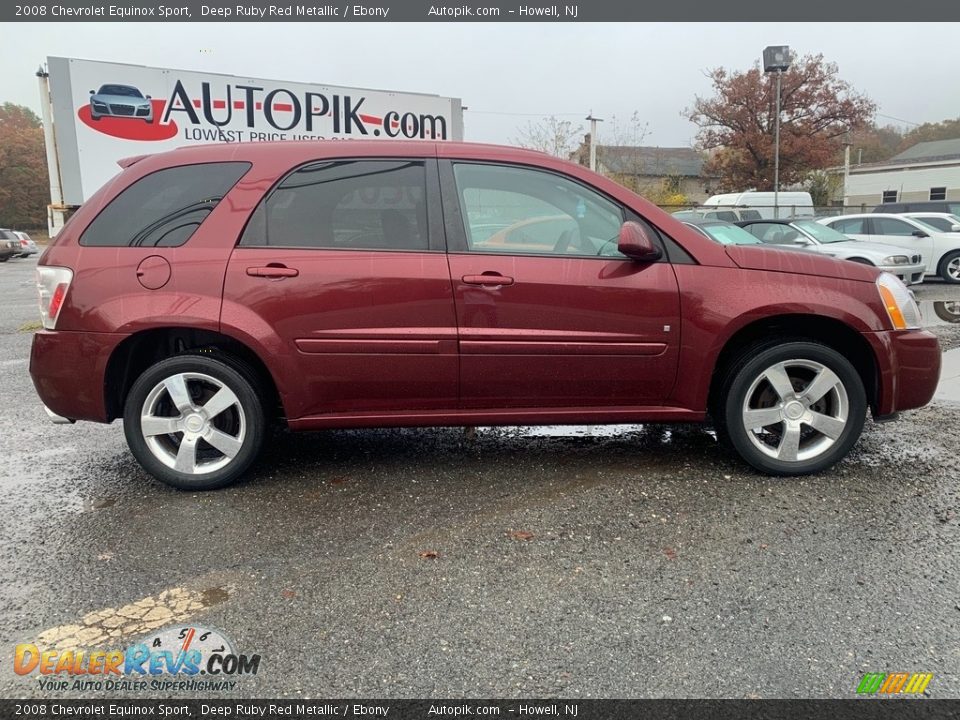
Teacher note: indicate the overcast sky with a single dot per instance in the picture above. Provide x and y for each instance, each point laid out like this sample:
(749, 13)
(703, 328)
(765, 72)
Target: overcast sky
(509, 74)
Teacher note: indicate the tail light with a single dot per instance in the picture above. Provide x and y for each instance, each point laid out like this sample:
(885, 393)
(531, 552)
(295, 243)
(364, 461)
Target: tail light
(52, 285)
(23, 243)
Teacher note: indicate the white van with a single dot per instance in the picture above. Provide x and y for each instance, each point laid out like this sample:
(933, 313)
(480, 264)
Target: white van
(792, 204)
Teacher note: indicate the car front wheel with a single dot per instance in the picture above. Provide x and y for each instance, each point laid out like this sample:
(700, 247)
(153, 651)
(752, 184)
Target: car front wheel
(950, 267)
(793, 408)
(194, 422)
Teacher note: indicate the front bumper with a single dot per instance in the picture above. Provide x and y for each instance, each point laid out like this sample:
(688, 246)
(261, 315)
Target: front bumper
(908, 363)
(68, 371)
(909, 274)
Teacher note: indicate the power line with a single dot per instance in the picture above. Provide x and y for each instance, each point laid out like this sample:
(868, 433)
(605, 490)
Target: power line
(891, 117)
(516, 114)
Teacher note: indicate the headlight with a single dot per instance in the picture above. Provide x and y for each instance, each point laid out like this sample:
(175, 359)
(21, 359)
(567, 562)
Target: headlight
(895, 260)
(899, 303)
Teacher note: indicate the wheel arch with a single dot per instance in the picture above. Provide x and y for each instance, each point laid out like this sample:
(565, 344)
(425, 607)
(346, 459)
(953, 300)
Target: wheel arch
(144, 348)
(825, 330)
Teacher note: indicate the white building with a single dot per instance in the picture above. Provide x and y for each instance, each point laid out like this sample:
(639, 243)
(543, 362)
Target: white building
(926, 171)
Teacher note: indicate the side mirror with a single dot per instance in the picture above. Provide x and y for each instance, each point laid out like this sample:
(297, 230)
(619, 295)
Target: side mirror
(93, 92)
(955, 228)
(919, 234)
(148, 98)
(636, 243)
(801, 241)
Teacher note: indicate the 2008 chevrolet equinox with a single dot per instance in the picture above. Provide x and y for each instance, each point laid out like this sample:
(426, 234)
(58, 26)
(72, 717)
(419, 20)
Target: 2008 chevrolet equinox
(205, 291)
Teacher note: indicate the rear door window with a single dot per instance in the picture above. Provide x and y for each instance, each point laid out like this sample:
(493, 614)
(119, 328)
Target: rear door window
(345, 204)
(165, 208)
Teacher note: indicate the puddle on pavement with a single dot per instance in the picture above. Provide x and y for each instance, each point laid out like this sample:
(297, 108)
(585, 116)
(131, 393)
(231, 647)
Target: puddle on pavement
(90, 504)
(565, 431)
(949, 387)
(940, 312)
(213, 596)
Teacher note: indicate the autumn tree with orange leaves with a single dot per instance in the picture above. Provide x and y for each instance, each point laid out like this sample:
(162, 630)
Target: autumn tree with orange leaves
(737, 123)
(24, 188)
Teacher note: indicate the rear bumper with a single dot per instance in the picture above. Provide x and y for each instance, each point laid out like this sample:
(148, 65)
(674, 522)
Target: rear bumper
(909, 369)
(68, 370)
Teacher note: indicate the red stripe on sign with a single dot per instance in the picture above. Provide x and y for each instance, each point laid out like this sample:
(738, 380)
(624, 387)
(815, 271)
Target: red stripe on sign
(372, 119)
(259, 106)
(219, 104)
(238, 104)
(196, 103)
(283, 107)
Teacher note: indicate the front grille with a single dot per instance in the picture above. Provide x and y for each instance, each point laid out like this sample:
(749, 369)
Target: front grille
(121, 109)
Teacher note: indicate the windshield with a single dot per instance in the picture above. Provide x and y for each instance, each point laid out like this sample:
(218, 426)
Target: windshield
(821, 233)
(729, 234)
(120, 90)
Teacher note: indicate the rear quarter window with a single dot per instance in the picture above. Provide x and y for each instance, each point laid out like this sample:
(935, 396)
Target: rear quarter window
(164, 208)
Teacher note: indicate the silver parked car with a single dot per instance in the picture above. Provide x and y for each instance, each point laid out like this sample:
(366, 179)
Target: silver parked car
(905, 264)
(27, 245)
(122, 101)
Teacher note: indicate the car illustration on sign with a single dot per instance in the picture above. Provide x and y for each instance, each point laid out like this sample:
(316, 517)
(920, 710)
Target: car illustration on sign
(120, 101)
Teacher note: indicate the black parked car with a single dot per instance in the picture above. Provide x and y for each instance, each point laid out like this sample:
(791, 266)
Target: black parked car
(942, 206)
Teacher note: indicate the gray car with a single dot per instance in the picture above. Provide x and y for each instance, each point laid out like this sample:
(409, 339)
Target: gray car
(905, 264)
(9, 245)
(122, 101)
(27, 245)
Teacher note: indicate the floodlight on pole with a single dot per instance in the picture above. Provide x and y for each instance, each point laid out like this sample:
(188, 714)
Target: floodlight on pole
(776, 59)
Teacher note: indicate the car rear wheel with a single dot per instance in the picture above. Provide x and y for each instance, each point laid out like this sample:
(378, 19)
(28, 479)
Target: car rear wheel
(793, 408)
(194, 422)
(950, 267)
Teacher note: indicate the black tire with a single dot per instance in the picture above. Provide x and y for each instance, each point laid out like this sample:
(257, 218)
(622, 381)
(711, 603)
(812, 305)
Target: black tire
(247, 416)
(746, 374)
(4, 259)
(944, 270)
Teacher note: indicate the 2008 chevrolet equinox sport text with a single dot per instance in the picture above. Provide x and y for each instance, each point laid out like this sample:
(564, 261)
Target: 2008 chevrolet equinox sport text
(206, 291)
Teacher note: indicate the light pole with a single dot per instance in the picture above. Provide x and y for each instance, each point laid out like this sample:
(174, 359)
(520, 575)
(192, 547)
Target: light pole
(776, 58)
(593, 140)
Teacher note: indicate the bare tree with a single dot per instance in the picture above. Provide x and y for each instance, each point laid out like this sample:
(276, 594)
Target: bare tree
(550, 135)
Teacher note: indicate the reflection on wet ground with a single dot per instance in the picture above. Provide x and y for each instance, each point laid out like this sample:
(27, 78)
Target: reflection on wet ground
(940, 312)
(949, 387)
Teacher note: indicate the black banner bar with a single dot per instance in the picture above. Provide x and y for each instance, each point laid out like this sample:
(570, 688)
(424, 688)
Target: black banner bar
(538, 11)
(854, 709)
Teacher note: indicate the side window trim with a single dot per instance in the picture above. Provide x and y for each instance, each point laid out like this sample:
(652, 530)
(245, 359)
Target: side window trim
(432, 198)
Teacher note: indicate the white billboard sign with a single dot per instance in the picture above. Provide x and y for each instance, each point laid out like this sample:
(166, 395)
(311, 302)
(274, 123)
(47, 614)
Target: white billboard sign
(103, 112)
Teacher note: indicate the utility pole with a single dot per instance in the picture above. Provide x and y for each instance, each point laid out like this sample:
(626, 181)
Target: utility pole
(593, 140)
(56, 210)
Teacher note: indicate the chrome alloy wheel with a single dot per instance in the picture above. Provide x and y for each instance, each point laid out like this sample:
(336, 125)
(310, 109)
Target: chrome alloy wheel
(953, 268)
(795, 410)
(193, 423)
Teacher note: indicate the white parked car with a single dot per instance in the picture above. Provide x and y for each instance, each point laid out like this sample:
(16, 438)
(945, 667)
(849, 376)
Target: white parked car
(944, 222)
(809, 235)
(940, 250)
(27, 245)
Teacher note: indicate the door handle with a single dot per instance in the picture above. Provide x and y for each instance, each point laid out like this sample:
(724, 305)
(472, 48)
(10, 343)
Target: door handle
(488, 279)
(272, 271)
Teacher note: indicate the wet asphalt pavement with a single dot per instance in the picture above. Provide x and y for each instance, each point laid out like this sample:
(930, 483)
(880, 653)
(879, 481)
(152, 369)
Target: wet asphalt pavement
(629, 562)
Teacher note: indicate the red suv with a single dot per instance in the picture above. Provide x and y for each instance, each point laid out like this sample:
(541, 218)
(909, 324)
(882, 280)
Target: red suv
(205, 291)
